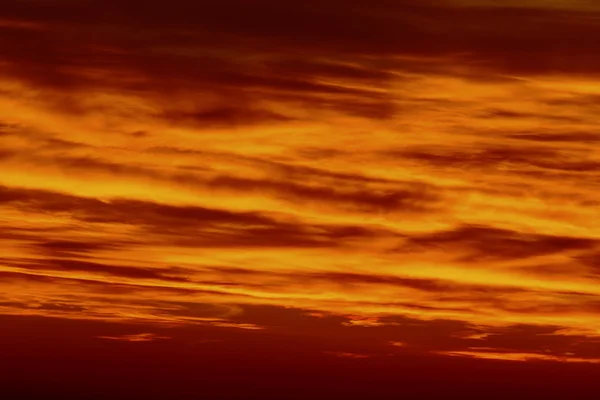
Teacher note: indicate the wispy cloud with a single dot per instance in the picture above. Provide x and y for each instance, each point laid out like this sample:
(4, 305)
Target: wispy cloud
(491, 355)
(138, 337)
(424, 174)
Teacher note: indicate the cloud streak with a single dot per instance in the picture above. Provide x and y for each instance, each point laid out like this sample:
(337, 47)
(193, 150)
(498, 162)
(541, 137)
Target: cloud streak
(423, 174)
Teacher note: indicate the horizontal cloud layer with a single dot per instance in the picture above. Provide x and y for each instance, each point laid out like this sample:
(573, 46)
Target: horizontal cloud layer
(423, 178)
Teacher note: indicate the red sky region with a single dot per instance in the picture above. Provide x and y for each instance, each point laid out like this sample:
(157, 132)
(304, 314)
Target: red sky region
(327, 199)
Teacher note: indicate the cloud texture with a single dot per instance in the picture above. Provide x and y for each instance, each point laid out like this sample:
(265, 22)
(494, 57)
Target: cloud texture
(422, 177)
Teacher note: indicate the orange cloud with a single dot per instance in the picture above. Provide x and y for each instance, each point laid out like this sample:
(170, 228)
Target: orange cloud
(435, 187)
(139, 337)
(490, 355)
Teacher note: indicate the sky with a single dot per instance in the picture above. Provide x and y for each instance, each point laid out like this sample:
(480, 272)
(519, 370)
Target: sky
(313, 198)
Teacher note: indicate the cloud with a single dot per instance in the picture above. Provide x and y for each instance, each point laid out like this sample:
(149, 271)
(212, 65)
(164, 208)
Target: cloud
(70, 246)
(138, 337)
(125, 271)
(335, 171)
(256, 60)
(480, 241)
(495, 158)
(490, 355)
(270, 27)
(226, 115)
(192, 225)
(583, 137)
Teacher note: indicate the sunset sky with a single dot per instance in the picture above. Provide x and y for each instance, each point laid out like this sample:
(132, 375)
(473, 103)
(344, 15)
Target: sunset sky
(326, 198)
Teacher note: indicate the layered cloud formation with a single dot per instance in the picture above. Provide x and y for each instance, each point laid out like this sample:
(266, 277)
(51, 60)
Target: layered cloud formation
(418, 176)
